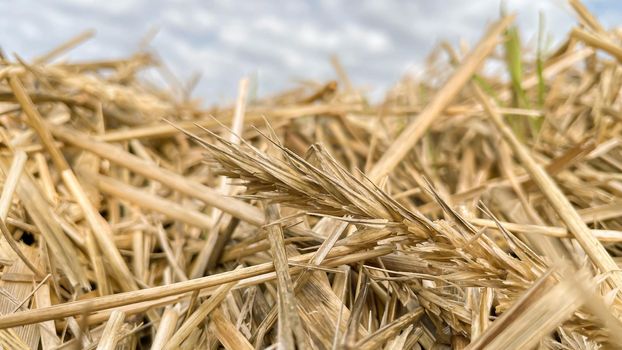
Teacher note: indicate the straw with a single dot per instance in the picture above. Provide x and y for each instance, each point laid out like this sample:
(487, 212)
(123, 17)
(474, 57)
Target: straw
(476, 205)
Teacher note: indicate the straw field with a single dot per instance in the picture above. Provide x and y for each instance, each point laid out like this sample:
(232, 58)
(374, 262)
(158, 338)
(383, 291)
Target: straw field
(477, 206)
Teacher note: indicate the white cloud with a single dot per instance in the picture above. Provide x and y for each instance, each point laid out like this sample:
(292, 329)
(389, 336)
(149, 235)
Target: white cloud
(114, 7)
(271, 24)
(234, 34)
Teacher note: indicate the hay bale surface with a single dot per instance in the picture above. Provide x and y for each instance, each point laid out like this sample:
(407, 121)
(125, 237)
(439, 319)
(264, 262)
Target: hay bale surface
(468, 209)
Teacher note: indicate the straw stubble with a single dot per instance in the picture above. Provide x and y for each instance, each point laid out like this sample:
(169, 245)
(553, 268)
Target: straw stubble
(468, 209)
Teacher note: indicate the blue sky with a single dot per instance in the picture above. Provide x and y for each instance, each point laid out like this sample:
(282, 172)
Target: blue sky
(277, 42)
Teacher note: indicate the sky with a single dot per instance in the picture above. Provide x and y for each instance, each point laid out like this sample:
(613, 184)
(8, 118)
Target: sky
(277, 43)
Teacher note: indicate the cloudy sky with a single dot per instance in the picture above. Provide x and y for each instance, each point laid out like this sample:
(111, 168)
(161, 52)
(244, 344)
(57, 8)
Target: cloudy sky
(277, 42)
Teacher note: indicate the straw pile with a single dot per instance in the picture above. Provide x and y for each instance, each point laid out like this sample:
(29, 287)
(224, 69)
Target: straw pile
(469, 209)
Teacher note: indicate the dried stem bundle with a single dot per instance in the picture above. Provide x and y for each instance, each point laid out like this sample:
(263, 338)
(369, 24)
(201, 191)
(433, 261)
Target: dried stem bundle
(467, 209)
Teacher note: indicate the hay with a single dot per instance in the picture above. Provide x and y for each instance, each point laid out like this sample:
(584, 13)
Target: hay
(471, 208)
